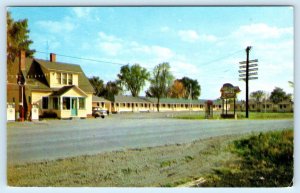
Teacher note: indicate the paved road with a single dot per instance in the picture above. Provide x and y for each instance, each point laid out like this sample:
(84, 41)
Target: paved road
(35, 141)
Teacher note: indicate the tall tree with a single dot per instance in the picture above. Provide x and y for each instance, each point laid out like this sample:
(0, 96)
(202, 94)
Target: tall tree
(133, 78)
(177, 90)
(112, 88)
(97, 84)
(17, 38)
(278, 95)
(258, 96)
(160, 82)
(196, 88)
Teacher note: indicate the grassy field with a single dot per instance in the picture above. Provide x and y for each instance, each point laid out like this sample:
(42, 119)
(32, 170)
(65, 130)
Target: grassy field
(241, 115)
(266, 160)
(213, 161)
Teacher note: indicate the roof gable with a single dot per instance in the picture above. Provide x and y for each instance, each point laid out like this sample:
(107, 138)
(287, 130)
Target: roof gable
(65, 89)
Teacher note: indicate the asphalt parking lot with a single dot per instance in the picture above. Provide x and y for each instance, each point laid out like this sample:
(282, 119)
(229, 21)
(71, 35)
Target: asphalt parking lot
(52, 139)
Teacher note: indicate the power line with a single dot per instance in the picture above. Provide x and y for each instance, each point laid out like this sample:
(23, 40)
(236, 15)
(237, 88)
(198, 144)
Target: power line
(80, 58)
(221, 58)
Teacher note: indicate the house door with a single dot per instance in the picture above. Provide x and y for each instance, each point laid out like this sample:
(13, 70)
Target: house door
(73, 106)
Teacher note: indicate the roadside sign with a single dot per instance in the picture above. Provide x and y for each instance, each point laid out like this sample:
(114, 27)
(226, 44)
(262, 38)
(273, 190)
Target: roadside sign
(250, 78)
(250, 61)
(250, 74)
(250, 65)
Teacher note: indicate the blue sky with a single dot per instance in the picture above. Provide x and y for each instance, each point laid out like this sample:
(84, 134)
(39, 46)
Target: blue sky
(203, 43)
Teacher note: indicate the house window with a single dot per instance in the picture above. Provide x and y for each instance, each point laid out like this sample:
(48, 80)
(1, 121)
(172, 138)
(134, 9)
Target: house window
(284, 106)
(128, 105)
(268, 106)
(64, 78)
(58, 78)
(81, 103)
(45, 102)
(55, 103)
(70, 79)
(98, 104)
(66, 103)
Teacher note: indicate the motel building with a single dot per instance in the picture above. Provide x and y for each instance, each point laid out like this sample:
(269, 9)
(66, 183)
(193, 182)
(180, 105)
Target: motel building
(47, 88)
(122, 104)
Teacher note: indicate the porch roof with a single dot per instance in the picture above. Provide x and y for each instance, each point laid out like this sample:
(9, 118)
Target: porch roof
(65, 89)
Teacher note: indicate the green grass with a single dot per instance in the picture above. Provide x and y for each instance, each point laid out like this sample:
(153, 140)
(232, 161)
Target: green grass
(261, 115)
(241, 115)
(266, 160)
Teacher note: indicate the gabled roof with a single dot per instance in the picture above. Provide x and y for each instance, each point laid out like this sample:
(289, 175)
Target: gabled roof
(176, 101)
(59, 66)
(99, 99)
(35, 78)
(129, 99)
(65, 89)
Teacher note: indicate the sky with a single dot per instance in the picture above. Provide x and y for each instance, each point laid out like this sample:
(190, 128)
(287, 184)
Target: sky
(203, 43)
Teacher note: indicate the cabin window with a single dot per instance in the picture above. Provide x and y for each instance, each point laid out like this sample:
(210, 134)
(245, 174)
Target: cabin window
(81, 103)
(45, 102)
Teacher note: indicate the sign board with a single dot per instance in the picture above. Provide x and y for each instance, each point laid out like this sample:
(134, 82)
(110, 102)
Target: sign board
(229, 91)
(250, 74)
(250, 65)
(250, 61)
(250, 78)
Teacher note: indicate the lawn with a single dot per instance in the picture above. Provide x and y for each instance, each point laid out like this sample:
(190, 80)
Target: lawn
(212, 160)
(241, 115)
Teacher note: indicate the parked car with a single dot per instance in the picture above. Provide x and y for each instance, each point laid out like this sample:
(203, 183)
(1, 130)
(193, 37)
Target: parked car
(98, 112)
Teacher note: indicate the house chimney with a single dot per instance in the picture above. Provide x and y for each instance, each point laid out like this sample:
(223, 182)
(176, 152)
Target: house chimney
(22, 64)
(52, 57)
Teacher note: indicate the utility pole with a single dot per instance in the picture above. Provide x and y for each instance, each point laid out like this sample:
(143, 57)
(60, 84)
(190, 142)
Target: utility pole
(190, 96)
(247, 81)
(249, 73)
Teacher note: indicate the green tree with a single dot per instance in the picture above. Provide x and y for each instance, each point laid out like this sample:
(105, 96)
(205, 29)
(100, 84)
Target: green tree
(17, 39)
(133, 78)
(98, 85)
(112, 88)
(278, 95)
(196, 88)
(258, 96)
(160, 82)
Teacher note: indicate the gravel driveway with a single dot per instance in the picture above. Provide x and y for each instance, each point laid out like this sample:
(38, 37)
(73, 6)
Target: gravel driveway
(35, 141)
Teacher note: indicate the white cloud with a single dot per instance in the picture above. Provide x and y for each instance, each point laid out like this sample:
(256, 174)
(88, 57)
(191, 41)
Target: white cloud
(81, 12)
(192, 36)
(188, 35)
(109, 38)
(162, 52)
(56, 26)
(262, 31)
(110, 48)
(182, 68)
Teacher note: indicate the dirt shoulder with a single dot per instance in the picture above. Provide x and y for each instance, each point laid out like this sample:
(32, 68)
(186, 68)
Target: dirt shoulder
(165, 166)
